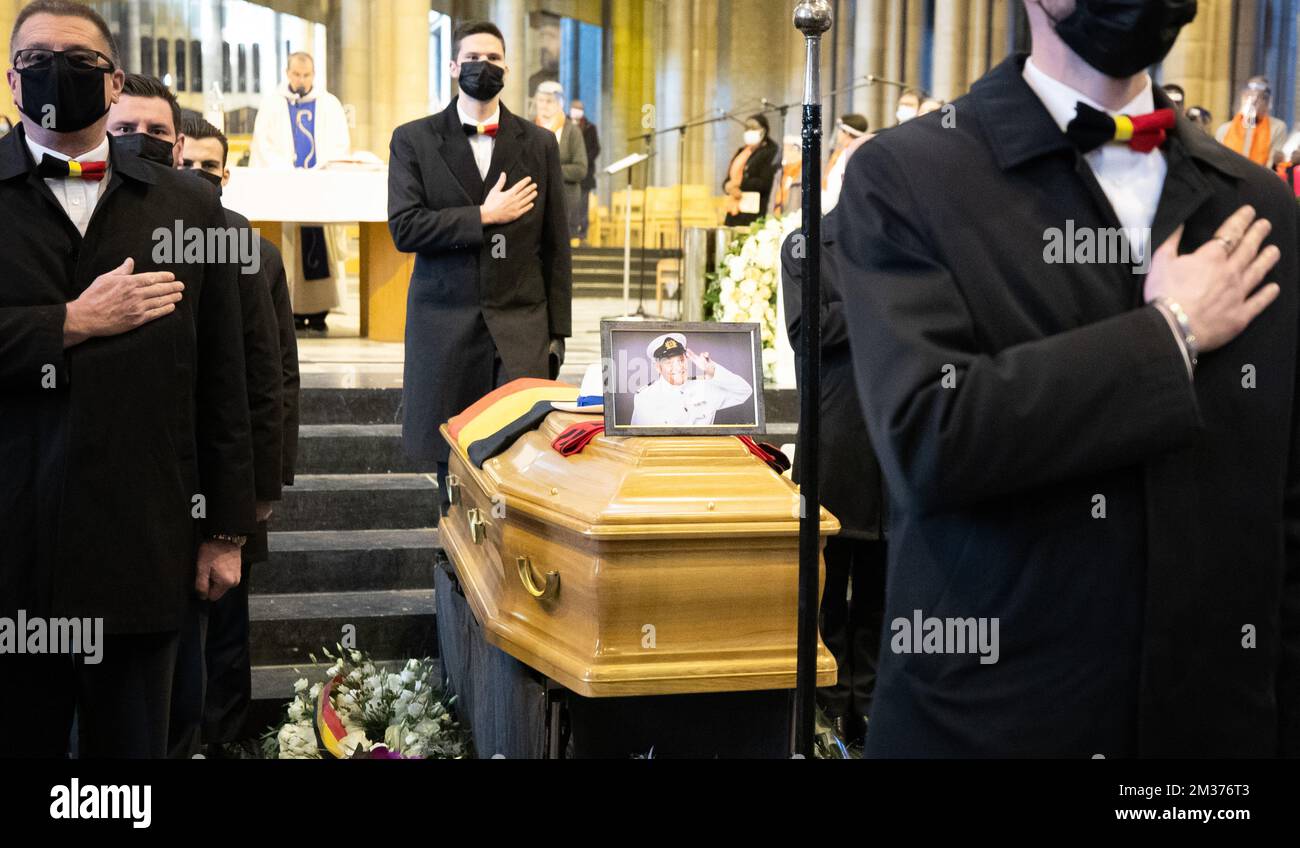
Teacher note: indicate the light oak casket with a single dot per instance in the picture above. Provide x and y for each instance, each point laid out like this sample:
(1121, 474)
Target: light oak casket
(641, 566)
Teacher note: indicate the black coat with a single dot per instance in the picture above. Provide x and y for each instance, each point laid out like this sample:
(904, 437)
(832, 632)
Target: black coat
(101, 468)
(1119, 635)
(290, 382)
(760, 172)
(851, 484)
(262, 370)
(591, 136)
(476, 291)
(271, 369)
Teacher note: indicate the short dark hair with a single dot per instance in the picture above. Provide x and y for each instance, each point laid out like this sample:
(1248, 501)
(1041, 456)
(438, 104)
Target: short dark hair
(139, 85)
(465, 30)
(66, 9)
(197, 127)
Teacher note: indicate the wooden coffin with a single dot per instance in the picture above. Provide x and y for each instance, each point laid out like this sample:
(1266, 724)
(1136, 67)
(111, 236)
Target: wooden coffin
(640, 566)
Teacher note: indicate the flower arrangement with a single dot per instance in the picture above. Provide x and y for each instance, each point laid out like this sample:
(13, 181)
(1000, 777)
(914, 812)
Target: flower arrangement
(361, 710)
(746, 286)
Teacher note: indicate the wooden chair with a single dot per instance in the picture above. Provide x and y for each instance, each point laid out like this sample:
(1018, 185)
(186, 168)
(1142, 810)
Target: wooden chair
(666, 271)
(613, 233)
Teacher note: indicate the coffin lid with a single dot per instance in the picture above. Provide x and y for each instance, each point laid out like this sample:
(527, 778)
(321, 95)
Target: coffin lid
(635, 487)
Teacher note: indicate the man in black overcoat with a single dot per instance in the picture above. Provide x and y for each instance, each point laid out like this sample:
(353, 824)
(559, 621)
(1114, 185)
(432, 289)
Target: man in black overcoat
(128, 484)
(1093, 453)
(477, 194)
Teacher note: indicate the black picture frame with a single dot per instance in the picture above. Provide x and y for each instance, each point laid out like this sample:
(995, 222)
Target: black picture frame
(621, 382)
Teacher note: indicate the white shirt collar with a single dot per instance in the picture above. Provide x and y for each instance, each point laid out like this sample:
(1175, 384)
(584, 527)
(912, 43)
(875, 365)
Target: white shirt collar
(98, 154)
(1062, 101)
(466, 119)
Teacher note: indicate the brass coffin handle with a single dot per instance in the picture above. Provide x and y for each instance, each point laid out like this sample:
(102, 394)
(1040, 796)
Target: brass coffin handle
(477, 525)
(453, 489)
(549, 590)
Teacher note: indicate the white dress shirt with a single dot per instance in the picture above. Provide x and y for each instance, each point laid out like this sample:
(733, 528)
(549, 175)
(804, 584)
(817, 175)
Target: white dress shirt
(480, 144)
(1131, 180)
(77, 196)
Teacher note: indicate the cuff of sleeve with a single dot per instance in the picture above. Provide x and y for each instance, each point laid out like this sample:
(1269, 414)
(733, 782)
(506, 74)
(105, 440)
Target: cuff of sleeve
(1178, 337)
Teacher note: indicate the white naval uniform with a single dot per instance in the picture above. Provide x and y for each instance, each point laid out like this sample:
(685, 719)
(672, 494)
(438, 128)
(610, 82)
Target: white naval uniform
(692, 404)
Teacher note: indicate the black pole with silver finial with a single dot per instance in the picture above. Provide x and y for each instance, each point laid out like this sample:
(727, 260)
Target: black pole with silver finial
(813, 19)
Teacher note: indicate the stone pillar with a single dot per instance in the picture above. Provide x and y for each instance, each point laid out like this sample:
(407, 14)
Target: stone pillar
(630, 104)
(385, 67)
(511, 17)
(869, 25)
(1201, 61)
(8, 14)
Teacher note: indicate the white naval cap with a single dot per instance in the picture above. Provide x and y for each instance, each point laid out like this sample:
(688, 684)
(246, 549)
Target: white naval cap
(669, 344)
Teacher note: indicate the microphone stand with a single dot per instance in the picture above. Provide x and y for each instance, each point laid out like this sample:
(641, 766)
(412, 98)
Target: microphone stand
(812, 18)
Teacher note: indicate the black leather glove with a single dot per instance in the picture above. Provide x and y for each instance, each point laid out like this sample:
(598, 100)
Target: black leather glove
(555, 356)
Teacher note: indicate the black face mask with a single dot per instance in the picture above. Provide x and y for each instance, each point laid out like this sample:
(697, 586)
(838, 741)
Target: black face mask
(151, 148)
(1123, 37)
(481, 80)
(63, 98)
(211, 179)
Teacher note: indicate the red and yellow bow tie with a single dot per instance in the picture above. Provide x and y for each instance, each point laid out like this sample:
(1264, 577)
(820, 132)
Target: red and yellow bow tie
(54, 168)
(1091, 128)
(481, 129)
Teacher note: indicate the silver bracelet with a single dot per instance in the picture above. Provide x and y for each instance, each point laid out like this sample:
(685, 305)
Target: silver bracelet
(1184, 327)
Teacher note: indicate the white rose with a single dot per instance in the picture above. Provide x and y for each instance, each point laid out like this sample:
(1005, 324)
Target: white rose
(354, 741)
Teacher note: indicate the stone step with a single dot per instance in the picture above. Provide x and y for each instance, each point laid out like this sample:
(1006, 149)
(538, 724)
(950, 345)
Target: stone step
(286, 628)
(354, 449)
(344, 405)
(357, 502)
(346, 560)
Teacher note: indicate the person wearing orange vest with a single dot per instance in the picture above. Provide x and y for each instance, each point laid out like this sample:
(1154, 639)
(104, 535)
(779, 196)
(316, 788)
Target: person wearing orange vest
(1253, 132)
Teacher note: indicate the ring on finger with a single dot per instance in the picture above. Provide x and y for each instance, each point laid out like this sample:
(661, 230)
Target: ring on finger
(1229, 245)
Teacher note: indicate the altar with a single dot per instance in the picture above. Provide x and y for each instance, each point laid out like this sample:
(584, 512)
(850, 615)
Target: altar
(272, 197)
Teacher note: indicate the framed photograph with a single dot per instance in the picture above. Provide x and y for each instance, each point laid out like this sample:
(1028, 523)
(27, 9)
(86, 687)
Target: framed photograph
(667, 378)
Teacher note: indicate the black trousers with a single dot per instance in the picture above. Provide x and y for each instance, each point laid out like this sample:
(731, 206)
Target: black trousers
(185, 730)
(499, 379)
(121, 704)
(229, 666)
(852, 614)
(214, 673)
